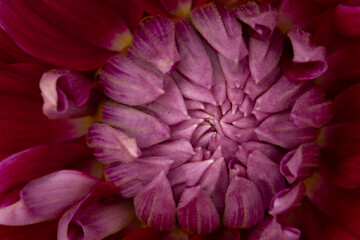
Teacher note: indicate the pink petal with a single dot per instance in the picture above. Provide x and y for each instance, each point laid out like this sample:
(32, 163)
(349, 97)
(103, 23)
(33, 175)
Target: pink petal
(128, 83)
(235, 73)
(47, 197)
(193, 53)
(223, 32)
(187, 175)
(155, 205)
(112, 145)
(245, 149)
(38, 161)
(135, 124)
(264, 56)
(170, 107)
(243, 204)
(67, 94)
(215, 182)
(261, 19)
(196, 212)
(308, 60)
(271, 229)
(185, 129)
(281, 96)
(99, 214)
(299, 163)
(192, 90)
(179, 151)
(317, 112)
(287, 199)
(347, 20)
(32, 27)
(131, 178)
(154, 42)
(278, 129)
(266, 176)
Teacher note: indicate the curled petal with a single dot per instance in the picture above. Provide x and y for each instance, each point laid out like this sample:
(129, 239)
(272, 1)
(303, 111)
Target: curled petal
(193, 53)
(67, 94)
(38, 161)
(281, 96)
(112, 145)
(99, 214)
(243, 204)
(278, 129)
(155, 205)
(154, 42)
(308, 60)
(47, 197)
(287, 199)
(262, 19)
(179, 151)
(135, 124)
(224, 31)
(264, 56)
(128, 83)
(196, 212)
(299, 163)
(131, 178)
(266, 176)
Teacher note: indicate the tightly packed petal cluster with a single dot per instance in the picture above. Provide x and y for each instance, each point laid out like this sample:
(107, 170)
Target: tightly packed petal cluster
(216, 121)
(201, 134)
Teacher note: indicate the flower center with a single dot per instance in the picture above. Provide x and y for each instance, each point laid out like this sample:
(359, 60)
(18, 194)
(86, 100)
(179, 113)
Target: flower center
(209, 124)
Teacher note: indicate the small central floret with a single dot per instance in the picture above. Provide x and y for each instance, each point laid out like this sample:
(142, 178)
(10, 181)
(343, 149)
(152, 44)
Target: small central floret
(209, 125)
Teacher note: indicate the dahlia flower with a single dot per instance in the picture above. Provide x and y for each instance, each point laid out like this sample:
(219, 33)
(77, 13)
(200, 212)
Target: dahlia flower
(179, 119)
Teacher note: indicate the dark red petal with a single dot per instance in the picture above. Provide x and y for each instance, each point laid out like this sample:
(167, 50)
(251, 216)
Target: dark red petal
(44, 230)
(351, 99)
(347, 20)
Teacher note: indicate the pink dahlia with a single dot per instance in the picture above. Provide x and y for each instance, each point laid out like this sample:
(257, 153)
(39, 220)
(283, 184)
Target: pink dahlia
(204, 122)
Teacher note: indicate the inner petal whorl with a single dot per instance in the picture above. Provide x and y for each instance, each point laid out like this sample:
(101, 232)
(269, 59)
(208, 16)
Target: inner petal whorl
(222, 117)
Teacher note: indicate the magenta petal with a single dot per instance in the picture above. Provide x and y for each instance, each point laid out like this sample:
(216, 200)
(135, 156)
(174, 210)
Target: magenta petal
(128, 83)
(196, 212)
(266, 175)
(47, 197)
(281, 96)
(235, 73)
(262, 19)
(32, 27)
(99, 214)
(311, 109)
(287, 199)
(308, 59)
(155, 205)
(154, 42)
(185, 129)
(131, 177)
(38, 161)
(146, 129)
(112, 145)
(187, 175)
(215, 182)
(299, 163)
(224, 31)
(193, 53)
(243, 204)
(264, 56)
(67, 94)
(347, 20)
(170, 107)
(179, 151)
(270, 229)
(192, 90)
(278, 129)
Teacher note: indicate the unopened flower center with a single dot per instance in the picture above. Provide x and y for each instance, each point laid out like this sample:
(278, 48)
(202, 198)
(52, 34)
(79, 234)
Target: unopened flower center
(205, 128)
